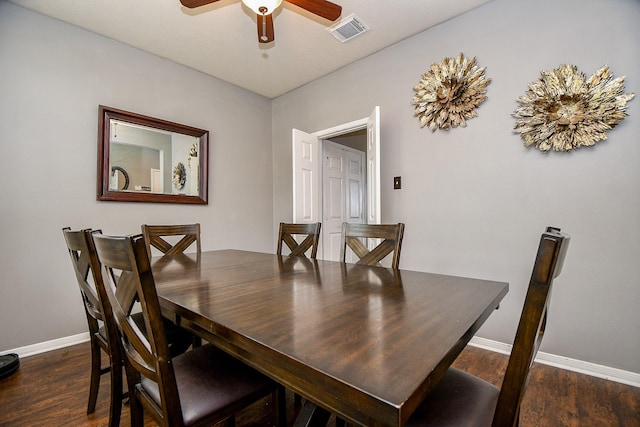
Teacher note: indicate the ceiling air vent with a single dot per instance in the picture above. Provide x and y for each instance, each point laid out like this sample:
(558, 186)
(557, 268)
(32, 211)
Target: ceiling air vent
(348, 28)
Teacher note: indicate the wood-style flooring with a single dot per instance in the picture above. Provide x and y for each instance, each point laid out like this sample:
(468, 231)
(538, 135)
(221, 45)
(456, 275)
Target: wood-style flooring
(51, 389)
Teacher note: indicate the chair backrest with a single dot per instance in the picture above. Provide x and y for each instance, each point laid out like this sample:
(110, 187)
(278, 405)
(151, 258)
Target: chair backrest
(287, 233)
(89, 276)
(84, 266)
(548, 265)
(128, 278)
(352, 235)
(153, 236)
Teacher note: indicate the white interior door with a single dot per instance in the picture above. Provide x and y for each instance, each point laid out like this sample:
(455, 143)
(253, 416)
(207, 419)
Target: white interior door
(343, 200)
(156, 181)
(113, 180)
(307, 170)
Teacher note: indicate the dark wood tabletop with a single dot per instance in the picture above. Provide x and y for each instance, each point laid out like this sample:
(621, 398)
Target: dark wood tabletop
(366, 343)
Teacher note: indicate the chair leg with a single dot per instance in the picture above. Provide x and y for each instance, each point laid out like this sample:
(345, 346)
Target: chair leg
(279, 405)
(116, 394)
(197, 341)
(230, 422)
(96, 363)
(135, 407)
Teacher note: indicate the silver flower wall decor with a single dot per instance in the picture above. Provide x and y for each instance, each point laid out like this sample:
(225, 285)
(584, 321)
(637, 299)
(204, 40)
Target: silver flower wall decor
(564, 110)
(449, 93)
(179, 176)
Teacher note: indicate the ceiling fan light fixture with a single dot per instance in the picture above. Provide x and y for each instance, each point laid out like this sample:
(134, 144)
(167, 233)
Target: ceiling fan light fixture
(264, 12)
(259, 6)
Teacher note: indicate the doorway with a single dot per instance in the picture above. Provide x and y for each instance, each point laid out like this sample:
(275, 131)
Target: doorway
(307, 158)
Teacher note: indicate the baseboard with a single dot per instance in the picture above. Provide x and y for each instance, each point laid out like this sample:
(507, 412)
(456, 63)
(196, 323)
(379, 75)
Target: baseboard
(587, 368)
(31, 350)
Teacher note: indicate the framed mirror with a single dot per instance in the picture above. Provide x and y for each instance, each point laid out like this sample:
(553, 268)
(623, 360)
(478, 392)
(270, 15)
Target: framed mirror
(143, 159)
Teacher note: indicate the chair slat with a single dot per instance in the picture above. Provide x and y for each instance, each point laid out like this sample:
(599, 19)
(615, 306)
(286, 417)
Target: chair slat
(392, 235)
(287, 233)
(154, 237)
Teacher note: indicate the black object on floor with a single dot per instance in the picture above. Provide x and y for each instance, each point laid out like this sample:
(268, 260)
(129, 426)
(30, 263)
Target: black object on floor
(9, 363)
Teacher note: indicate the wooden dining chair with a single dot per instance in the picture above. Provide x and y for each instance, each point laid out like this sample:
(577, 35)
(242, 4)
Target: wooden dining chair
(353, 235)
(200, 387)
(288, 232)
(154, 236)
(103, 335)
(188, 234)
(103, 332)
(461, 399)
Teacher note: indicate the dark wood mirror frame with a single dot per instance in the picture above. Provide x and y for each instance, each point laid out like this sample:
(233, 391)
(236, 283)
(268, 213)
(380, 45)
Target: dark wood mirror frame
(106, 114)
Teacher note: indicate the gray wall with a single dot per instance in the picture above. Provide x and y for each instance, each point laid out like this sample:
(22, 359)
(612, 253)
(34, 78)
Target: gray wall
(53, 77)
(474, 200)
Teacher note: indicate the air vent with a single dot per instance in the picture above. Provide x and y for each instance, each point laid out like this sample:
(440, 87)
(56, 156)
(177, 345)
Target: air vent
(348, 28)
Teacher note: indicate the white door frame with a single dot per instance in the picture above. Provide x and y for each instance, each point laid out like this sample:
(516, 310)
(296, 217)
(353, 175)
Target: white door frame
(372, 125)
(342, 129)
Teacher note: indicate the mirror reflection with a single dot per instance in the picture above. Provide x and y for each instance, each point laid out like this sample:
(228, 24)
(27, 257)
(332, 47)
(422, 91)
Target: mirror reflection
(119, 179)
(143, 159)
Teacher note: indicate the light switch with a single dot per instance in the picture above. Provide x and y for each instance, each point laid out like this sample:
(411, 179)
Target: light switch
(397, 183)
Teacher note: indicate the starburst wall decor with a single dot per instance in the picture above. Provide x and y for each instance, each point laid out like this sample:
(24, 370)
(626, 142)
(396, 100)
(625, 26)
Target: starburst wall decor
(449, 93)
(179, 176)
(564, 110)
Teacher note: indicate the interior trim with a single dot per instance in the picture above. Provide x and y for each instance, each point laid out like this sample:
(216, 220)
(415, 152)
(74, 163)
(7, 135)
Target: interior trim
(33, 349)
(562, 362)
(567, 363)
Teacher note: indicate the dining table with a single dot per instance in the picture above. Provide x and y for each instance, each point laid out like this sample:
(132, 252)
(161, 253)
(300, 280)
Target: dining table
(365, 343)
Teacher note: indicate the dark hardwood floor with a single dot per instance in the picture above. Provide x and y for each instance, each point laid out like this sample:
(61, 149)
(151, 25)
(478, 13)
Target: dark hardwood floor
(51, 389)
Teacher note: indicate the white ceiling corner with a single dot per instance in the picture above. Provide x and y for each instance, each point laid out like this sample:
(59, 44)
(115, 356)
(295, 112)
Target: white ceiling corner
(220, 39)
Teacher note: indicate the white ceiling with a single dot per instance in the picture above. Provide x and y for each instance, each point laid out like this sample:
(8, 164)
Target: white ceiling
(220, 39)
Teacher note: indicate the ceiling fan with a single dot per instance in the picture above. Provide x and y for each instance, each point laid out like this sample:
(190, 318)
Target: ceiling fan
(265, 8)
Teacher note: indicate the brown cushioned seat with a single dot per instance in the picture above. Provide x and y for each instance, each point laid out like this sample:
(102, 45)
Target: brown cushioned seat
(195, 379)
(456, 400)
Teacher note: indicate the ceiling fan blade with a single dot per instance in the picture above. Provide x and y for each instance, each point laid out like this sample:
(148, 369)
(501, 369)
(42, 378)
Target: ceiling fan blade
(265, 28)
(323, 8)
(196, 3)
